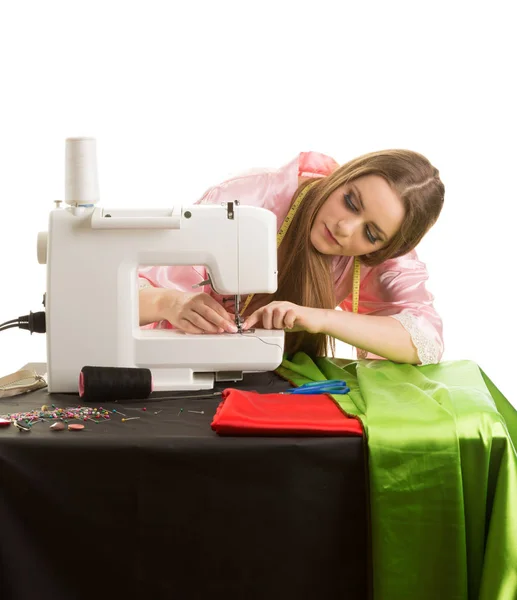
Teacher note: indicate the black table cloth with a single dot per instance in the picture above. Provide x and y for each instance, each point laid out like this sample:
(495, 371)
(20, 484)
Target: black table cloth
(162, 507)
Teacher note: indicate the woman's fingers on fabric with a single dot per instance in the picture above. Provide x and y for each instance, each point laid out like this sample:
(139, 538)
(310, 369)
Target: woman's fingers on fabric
(253, 319)
(214, 318)
(213, 312)
(274, 316)
(186, 326)
(271, 317)
(218, 308)
(290, 319)
(267, 318)
(199, 321)
(278, 317)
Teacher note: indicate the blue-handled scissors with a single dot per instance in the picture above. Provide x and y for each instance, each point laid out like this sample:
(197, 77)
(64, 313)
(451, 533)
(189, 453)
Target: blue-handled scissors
(332, 386)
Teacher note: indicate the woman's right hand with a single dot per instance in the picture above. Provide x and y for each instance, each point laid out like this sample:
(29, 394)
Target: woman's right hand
(195, 312)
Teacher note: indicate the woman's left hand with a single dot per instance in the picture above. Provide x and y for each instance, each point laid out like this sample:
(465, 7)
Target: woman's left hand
(286, 315)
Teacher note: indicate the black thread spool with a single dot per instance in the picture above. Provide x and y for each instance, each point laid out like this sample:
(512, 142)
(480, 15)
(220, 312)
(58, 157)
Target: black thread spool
(114, 383)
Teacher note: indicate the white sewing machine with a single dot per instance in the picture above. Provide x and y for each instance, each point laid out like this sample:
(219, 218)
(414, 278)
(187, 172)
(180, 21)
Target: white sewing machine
(92, 256)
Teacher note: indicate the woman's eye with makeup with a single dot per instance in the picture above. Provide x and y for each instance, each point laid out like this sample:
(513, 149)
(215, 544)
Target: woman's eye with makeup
(370, 237)
(349, 203)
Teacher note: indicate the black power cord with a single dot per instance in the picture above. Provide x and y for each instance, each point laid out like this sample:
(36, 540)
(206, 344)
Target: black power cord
(33, 322)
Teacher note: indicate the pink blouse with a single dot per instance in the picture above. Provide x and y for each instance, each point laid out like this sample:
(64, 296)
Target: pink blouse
(396, 288)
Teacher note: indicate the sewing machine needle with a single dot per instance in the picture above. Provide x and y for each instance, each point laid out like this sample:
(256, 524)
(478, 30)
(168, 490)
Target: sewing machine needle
(238, 320)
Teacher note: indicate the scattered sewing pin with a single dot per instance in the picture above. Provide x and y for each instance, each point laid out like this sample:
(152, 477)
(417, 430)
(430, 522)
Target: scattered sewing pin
(22, 426)
(180, 411)
(157, 412)
(118, 412)
(129, 419)
(57, 426)
(75, 427)
(198, 412)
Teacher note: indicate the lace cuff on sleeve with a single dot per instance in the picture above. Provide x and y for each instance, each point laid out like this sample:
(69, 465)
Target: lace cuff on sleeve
(427, 348)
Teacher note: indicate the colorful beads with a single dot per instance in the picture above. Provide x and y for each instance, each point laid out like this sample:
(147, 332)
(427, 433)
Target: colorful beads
(61, 416)
(29, 419)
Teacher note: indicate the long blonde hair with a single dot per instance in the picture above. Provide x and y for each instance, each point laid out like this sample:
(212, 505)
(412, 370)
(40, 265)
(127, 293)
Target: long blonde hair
(305, 275)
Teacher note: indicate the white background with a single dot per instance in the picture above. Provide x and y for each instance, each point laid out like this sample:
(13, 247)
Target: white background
(179, 95)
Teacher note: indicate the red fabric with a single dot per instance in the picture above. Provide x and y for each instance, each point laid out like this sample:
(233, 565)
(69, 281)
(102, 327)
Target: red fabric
(249, 413)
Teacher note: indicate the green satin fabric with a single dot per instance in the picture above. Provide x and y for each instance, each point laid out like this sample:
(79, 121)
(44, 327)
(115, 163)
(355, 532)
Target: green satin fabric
(442, 475)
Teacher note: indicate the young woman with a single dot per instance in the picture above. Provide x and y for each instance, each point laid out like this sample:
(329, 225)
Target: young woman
(356, 223)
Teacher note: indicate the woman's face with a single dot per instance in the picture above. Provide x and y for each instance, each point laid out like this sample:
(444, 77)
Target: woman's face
(358, 218)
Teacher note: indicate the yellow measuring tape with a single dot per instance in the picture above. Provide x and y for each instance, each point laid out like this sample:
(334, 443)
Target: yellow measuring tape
(281, 234)
(356, 284)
